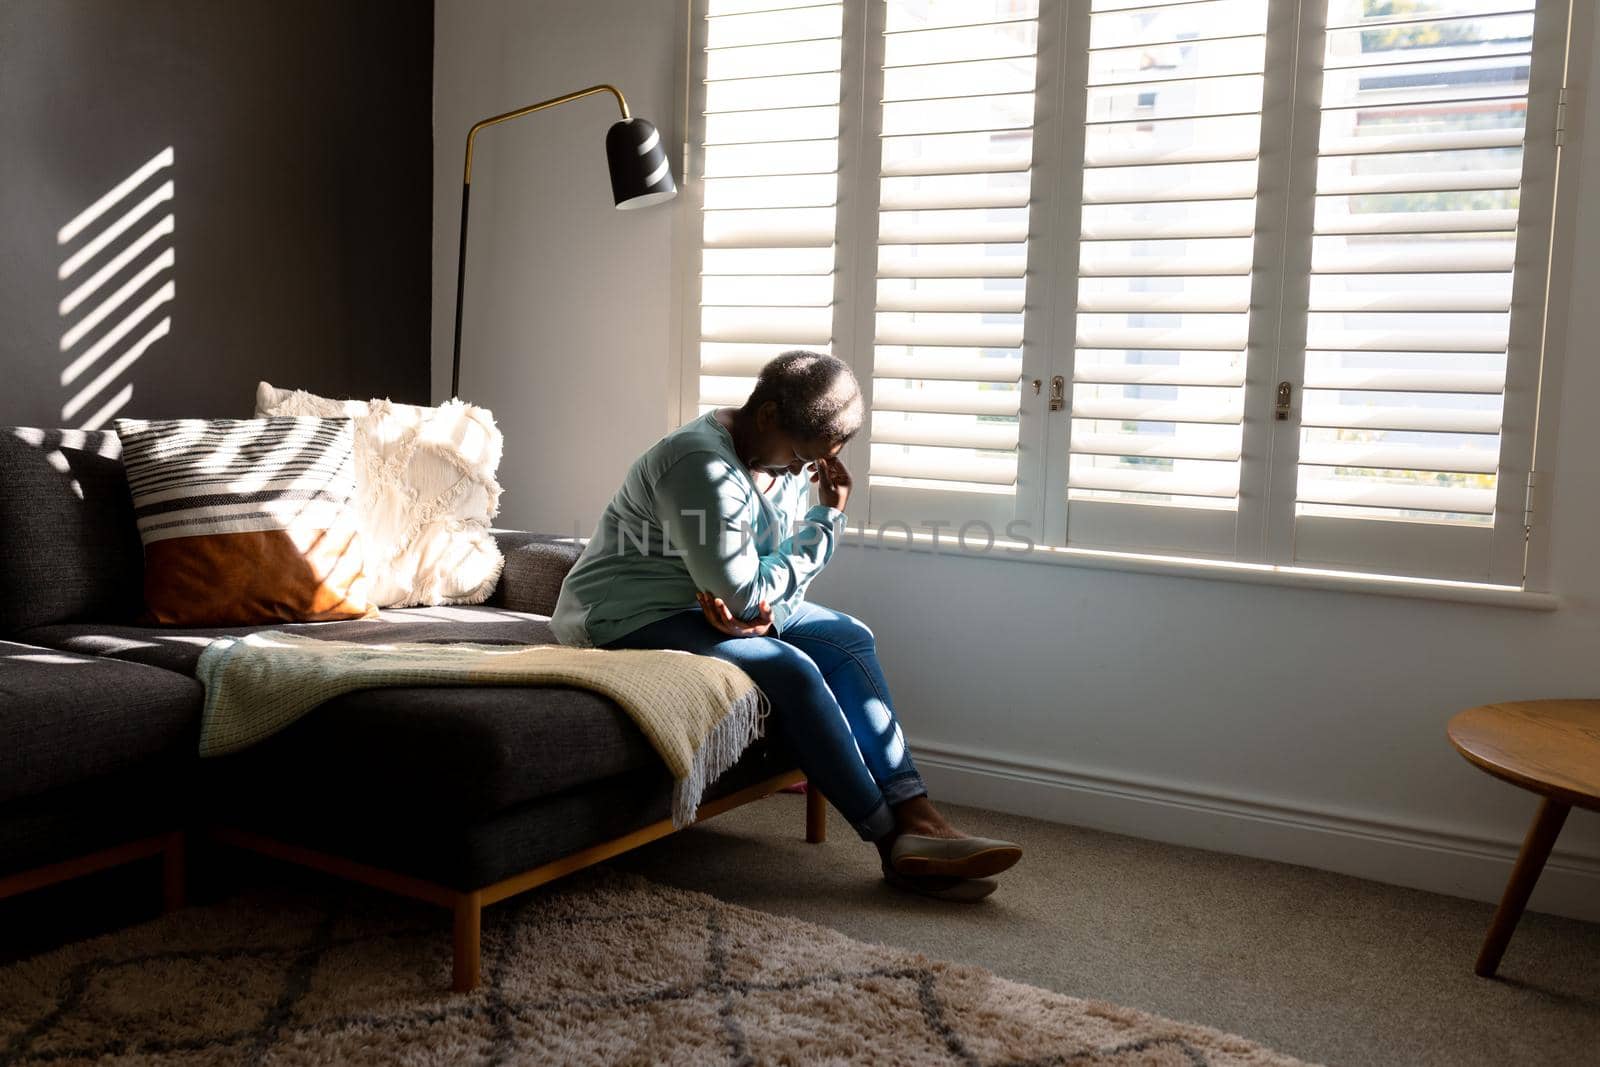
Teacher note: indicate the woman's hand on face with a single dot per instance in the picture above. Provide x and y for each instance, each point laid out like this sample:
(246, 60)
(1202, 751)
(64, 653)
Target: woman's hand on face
(718, 615)
(832, 481)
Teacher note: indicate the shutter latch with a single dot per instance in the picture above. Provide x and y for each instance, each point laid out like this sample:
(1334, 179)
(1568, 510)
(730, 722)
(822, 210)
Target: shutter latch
(1285, 395)
(1058, 393)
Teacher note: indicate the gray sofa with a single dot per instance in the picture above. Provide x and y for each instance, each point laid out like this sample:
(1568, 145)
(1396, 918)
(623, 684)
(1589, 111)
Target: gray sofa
(458, 796)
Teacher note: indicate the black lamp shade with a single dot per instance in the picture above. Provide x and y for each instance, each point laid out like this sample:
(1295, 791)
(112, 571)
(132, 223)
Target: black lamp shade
(640, 174)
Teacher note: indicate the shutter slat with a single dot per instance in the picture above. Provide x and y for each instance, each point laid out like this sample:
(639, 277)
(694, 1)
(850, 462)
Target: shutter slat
(773, 290)
(1124, 409)
(1424, 17)
(778, 334)
(970, 369)
(925, 231)
(930, 166)
(1398, 457)
(962, 24)
(978, 402)
(1412, 302)
(1434, 56)
(1419, 182)
(943, 201)
(1155, 339)
(1454, 140)
(723, 8)
(716, 397)
(1156, 374)
(1440, 98)
(1455, 259)
(1155, 78)
(756, 237)
(1177, 192)
(1196, 266)
(1446, 499)
(955, 468)
(977, 335)
(1220, 152)
(1420, 222)
(951, 266)
(1224, 483)
(1384, 417)
(1154, 446)
(1164, 303)
(989, 435)
(1157, 229)
(1407, 341)
(735, 362)
(1406, 381)
(997, 301)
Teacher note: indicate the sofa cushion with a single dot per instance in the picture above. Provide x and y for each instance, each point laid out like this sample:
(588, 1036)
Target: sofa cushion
(427, 753)
(246, 520)
(178, 648)
(464, 752)
(100, 812)
(65, 718)
(536, 565)
(71, 550)
(427, 493)
(472, 853)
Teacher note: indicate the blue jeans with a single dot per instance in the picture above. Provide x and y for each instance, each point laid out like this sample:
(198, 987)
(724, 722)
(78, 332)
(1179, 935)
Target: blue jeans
(830, 704)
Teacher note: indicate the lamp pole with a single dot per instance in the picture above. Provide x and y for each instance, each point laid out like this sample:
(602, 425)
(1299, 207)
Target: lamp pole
(639, 177)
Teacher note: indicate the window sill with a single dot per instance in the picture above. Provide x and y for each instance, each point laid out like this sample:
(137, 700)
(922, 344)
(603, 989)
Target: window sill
(1505, 596)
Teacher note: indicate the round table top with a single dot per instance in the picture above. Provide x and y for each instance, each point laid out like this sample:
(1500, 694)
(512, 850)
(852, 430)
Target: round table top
(1548, 746)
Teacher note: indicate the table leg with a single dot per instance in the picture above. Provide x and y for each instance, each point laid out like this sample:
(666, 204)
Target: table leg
(1530, 862)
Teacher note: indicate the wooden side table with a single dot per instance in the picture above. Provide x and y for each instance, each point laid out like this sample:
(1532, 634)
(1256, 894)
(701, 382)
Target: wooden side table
(1551, 747)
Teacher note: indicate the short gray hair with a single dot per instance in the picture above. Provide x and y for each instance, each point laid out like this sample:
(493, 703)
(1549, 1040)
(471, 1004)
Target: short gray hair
(817, 396)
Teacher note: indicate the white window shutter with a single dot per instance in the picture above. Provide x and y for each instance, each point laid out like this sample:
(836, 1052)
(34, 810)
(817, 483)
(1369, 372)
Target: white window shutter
(1176, 206)
(1425, 261)
(953, 96)
(764, 167)
(1171, 141)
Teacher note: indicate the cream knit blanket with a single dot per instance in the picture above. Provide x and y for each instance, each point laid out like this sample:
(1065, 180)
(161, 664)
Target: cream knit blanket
(699, 713)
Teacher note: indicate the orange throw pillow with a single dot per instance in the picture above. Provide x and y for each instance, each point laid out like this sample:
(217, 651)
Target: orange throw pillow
(246, 521)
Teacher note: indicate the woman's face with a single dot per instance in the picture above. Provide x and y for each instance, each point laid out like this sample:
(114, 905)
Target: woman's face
(780, 453)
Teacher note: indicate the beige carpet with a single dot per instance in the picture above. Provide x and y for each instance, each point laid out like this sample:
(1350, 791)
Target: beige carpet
(604, 968)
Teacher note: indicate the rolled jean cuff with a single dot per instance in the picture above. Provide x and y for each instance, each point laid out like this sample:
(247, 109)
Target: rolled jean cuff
(878, 824)
(904, 787)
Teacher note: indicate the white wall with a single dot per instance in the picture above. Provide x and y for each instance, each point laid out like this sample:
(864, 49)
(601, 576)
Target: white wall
(568, 299)
(1301, 725)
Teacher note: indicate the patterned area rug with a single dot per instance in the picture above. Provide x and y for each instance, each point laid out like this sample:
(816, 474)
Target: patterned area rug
(603, 968)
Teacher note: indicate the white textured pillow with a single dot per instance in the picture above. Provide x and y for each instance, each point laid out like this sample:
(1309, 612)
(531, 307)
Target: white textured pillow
(425, 492)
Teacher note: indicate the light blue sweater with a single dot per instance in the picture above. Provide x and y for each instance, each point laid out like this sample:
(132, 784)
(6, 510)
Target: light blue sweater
(688, 518)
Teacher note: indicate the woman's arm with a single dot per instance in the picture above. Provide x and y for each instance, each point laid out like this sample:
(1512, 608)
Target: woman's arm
(708, 513)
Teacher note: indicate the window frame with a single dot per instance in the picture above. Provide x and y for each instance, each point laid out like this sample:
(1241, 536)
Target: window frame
(1264, 528)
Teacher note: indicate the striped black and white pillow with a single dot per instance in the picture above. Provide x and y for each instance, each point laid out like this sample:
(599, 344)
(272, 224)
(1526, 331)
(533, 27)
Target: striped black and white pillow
(246, 520)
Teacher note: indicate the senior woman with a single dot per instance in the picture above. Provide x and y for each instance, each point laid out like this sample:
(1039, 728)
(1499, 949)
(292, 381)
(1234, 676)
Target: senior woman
(709, 546)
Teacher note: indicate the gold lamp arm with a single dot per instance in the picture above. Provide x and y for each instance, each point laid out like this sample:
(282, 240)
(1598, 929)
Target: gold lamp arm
(555, 101)
(466, 196)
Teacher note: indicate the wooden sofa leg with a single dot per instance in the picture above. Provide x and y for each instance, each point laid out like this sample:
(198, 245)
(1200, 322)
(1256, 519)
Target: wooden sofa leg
(174, 873)
(464, 976)
(816, 815)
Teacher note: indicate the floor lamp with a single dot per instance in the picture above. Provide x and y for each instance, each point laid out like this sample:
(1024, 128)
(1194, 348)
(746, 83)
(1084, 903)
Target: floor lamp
(640, 176)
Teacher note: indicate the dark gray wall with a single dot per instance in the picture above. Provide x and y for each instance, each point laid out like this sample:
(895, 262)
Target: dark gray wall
(301, 138)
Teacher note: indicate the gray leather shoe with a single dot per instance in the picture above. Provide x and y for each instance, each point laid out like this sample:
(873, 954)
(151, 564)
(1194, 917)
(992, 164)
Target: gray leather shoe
(952, 857)
(959, 890)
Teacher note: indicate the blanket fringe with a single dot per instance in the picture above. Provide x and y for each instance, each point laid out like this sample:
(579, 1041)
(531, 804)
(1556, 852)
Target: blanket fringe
(728, 741)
